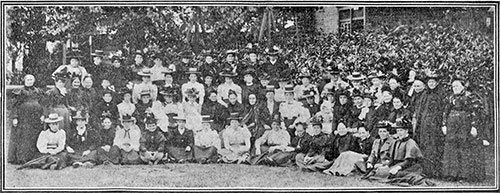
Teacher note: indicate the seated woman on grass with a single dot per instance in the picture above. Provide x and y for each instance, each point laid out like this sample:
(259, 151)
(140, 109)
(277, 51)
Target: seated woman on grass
(82, 142)
(152, 142)
(236, 141)
(180, 142)
(206, 142)
(126, 142)
(315, 146)
(50, 144)
(271, 144)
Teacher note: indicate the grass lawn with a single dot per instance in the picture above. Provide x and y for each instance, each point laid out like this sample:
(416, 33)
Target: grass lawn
(195, 175)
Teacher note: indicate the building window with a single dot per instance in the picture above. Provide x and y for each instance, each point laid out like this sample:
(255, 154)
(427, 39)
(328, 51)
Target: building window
(351, 19)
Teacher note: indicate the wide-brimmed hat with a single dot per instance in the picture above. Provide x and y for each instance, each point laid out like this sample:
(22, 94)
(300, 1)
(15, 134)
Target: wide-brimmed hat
(167, 71)
(315, 121)
(328, 91)
(145, 72)
(192, 71)
(124, 90)
(80, 115)
(53, 118)
(250, 71)
(402, 124)
(138, 52)
(270, 88)
(356, 76)
(97, 53)
(344, 92)
(382, 124)
(186, 54)
(116, 58)
(169, 91)
(211, 53)
(150, 119)
(227, 72)
(234, 116)
(273, 52)
(206, 119)
(356, 93)
(127, 118)
(332, 70)
(289, 88)
(145, 92)
(233, 51)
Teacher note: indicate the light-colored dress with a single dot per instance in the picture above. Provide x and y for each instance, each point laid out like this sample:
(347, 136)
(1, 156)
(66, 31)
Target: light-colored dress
(164, 113)
(199, 87)
(138, 88)
(206, 145)
(192, 112)
(236, 139)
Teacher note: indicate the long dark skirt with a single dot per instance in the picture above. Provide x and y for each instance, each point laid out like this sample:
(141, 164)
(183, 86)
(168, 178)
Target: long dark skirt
(431, 142)
(78, 157)
(113, 155)
(179, 153)
(22, 144)
(44, 161)
(126, 158)
(463, 154)
(319, 165)
(278, 158)
(410, 176)
(207, 153)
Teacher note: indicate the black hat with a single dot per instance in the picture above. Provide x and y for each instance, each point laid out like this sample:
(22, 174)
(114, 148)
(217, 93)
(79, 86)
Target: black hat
(63, 74)
(227, 72)
(270, 88)
(250, 71)
(316, 121)
(305, 75)
(80, 115)
(386, 88)
(332, 70)
(382, 124)
(402, 124)
(275, 119)
(356, 93)
(144, 93)
(127, 118)
(289, 88)
(273, 52)
(309, 93)
(169, 91)
(150, 119)
(432, 75)
(116, 58)
(264, 76)
(124, 90)
(343, 92)
(191, 92)
(157, 55)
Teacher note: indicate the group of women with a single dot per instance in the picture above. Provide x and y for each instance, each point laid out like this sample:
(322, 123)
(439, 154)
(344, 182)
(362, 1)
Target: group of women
(248, 112)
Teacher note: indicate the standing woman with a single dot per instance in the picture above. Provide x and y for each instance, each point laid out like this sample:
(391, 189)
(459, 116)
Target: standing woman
(89, 94)
(463, 157)
(192, 110)
(56, 100)
(26, 116)
(430, 139)
(193, 84)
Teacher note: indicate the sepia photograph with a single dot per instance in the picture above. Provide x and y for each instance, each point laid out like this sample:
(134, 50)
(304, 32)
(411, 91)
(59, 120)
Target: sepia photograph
(250, 96)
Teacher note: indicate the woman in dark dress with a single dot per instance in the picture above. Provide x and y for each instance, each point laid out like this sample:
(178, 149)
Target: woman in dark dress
(107, 131)
(398, 112)
(430, 138)
(217, 111)
(76, 95)
(26, 119)
(180, 142)
(56, 100)
(463, 157)
(82, 142)
(256, 118)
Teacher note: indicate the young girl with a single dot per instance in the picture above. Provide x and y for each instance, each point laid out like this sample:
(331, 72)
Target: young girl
(126, 141)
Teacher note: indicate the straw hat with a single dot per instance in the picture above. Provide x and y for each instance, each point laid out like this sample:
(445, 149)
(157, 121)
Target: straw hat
(53, 118)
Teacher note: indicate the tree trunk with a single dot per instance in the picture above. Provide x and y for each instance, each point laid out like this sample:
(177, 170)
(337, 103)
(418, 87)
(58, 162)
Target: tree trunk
(263, 26)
